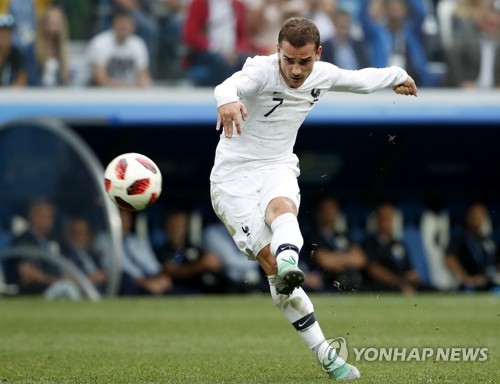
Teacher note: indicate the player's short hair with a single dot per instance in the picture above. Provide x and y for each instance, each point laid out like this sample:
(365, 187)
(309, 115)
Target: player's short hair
(299, 31)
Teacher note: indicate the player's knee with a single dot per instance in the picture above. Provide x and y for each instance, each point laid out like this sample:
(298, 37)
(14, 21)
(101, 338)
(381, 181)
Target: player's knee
(279, 206)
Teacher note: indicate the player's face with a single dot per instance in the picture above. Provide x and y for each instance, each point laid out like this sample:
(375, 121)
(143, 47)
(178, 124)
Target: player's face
(296, 64)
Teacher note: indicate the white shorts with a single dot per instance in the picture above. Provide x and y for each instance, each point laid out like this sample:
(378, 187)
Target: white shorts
(241, 205)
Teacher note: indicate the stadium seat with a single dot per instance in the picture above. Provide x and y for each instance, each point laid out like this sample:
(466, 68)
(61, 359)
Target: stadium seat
(413, 239)
(412, 210)
(356, 214)
(435, 236)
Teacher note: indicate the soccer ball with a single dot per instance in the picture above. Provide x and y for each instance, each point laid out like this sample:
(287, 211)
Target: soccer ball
(132, 181)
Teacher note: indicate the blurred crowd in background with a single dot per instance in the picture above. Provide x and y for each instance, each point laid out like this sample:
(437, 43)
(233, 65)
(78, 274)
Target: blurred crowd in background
(115, 43)
(182, 251)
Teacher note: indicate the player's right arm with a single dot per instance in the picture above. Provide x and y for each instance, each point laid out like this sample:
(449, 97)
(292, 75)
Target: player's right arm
(228, 116)
(229, 106)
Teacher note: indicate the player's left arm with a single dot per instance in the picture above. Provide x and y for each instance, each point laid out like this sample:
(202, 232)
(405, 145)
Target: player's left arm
(369, 80)
(407, 88)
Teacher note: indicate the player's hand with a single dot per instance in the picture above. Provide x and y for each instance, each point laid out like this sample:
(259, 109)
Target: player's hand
(229, 117)
(407, 88)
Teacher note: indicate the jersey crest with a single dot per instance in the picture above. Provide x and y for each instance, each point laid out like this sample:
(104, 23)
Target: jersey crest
(315, 94)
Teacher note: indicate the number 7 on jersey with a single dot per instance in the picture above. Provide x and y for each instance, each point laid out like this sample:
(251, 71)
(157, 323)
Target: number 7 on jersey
(276, 106)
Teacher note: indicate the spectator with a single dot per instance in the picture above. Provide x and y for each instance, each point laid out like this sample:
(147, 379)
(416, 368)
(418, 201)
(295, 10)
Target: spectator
(170, 15)
(465, 16)
(218, 40)
(141, 271)
(147, 25)
(82, 16)
(192, 269)
(51, 47)
(264, 20)
(78, 249)
(473, 256)
(26, 13)
(389, 265)
(394, 32)
(23, 37)
(12, 68)
(321, 13)
(244, 274)
(474, 56)
(339, 262)
(34, 275)
(343, 50)
(117, 57)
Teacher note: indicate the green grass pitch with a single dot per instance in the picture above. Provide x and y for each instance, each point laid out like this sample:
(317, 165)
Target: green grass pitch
(239, 339)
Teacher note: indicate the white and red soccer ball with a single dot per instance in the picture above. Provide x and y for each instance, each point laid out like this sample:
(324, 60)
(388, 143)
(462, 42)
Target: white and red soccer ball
(132, 181)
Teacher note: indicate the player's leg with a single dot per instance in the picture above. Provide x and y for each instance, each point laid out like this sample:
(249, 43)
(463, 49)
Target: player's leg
(280, 196)
(297, 307)
(280, 201)
(299, 310)
(281, 216)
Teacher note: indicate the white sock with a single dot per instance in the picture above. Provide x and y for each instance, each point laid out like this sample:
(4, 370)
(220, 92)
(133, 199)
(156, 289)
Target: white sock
(299, 310)
(286, 236)
(324, 350)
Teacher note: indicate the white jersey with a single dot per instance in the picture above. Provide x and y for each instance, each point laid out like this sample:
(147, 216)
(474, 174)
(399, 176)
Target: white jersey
(276, 112)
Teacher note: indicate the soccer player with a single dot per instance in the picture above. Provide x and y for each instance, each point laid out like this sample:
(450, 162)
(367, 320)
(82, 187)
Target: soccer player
(254, 188)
